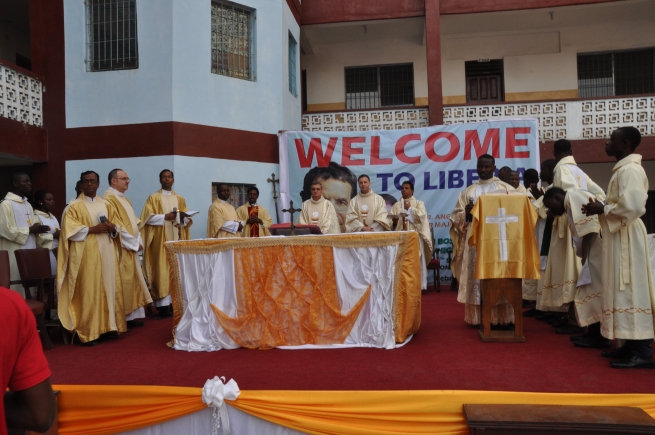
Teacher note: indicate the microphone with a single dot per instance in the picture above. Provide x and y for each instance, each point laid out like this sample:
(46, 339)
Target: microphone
(174, 209)
(103, 219)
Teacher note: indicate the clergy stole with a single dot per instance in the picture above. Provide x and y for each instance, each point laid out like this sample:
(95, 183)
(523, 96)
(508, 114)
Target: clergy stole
(253, 210)
(24, 218)
(168, 203)
(503, 233)
(366, 208)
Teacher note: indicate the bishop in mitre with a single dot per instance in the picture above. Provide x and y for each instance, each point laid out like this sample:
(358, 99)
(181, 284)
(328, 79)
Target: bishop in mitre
(223, 220)
(88, 274)
(463, 264)
(257, 219)
(563, 265)
(628, 299)
(135, 290)
(319, 211)
(163, 219)
(367, 211)
(20, 228)
(415, 219)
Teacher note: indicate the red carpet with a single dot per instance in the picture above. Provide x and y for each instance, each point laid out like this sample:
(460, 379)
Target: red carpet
(446, 354)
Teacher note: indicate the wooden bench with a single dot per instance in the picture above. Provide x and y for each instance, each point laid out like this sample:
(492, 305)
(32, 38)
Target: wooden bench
(556, 420)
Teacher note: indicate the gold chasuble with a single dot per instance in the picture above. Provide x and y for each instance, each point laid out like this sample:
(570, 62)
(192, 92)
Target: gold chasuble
(628, 290)
(219, 213)
(88, 276)
(503, 232)
(367, 209)
(246, 211)
(321, 213)
(155, 264)
(135, 289)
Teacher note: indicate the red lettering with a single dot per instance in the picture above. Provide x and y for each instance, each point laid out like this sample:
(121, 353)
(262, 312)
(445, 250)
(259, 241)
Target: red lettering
(491, 138)
(431, 142)
(348, 150)
(375, 153)
(315, 149)
(400, 149)
(512, 142)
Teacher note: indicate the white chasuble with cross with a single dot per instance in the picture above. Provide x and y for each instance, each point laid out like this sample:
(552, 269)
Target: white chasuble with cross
(503, 233)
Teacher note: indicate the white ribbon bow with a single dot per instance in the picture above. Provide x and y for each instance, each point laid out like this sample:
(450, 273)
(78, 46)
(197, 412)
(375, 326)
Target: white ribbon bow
(214, 393)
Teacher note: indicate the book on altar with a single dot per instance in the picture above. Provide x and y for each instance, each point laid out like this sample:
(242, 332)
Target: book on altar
(503, 233)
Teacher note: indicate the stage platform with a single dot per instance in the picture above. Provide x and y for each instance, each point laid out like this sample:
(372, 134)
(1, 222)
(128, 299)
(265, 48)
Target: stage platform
(445, 354)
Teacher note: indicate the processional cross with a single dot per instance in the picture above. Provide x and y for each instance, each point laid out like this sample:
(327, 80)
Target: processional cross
(274, 180)
(502, 220)
(292, 210)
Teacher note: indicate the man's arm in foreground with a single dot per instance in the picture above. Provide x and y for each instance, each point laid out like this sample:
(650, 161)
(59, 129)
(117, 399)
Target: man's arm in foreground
(31, 409)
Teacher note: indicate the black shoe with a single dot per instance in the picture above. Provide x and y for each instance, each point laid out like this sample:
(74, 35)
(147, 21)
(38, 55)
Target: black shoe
(634, 362)
(620, 353)
(545, 317)
(569, 329)
(135, 323)
(575, 338)
(526, 304)
(533, 312)
(164, 312)
(593, 343)
(558, 322)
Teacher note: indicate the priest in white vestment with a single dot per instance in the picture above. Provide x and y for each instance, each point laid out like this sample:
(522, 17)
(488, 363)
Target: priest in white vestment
(415, 219)
(367, 211)
(628, 300)
(20, 228)
(319, 211)
(464, 255)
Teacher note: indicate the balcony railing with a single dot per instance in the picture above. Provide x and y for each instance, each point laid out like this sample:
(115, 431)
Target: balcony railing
(579, 119)
(20, 97)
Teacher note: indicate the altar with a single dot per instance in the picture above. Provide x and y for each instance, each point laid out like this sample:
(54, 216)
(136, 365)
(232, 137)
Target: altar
(313, 291)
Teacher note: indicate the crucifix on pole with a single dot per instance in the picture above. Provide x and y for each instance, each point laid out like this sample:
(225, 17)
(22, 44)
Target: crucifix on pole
(274, 180)
(292, 210)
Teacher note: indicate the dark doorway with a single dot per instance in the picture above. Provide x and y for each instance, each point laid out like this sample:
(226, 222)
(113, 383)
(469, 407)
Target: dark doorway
(484, 81)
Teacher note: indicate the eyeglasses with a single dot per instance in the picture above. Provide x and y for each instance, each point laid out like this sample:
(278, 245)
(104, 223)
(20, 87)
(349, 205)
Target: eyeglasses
(124, 178)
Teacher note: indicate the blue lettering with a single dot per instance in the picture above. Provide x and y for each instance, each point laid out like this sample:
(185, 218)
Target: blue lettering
(384, 180)
(455, 179)
(471, 176)
(396, 181)
(426, 182)
(442, 180)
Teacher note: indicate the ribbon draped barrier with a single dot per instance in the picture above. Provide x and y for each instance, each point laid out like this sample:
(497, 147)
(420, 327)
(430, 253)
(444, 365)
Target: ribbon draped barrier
(214, 393)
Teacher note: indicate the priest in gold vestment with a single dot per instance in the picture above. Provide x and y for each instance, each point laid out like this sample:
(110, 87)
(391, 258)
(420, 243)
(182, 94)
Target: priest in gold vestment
(223, 220)
(135, 289)
(319, 211)
(160, 224)
(257, 218)
(628, 299)
(463, 264)
(367, 211)
(88, 276)
(416, 219)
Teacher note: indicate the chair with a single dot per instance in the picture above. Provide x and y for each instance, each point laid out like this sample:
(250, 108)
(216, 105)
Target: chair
(35, 271)
(435, 264)
(37, 307)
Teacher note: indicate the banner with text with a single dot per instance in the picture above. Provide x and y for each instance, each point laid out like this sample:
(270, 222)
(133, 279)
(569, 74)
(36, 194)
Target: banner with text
(440, 160)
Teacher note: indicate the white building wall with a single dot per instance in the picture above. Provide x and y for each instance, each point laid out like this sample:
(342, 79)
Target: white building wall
(174, 80)
(193, 180)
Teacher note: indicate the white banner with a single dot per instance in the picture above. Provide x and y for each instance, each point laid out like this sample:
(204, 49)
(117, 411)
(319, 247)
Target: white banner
(440, 160)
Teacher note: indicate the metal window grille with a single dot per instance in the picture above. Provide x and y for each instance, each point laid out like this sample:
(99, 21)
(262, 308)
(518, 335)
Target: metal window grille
(370, 87)
(293, 48)
(112, 35)
(232, 41)
(238, 193)
(616, 73)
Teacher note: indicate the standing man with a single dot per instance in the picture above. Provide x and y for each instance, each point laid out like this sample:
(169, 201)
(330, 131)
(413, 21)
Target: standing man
(319, 211)
(416, 219)
(223, 220)
(20, 228)
(628, 290)
(515, 182)
(160, 224)
(88, 274)
(135, 290)
(367, 211)
(257, 218)
(464, 255)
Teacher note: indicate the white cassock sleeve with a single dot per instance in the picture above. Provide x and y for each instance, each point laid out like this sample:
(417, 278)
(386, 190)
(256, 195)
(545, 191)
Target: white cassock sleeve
(129, 241)
(230, 226)
(80, 236)
(410, 211)
(157, 220)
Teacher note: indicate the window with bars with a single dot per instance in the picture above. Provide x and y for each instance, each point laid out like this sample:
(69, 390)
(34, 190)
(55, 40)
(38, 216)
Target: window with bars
(112, 35)
(293, 48)
(369, 87)
(238, 193)
(232, 40)
(608, 74)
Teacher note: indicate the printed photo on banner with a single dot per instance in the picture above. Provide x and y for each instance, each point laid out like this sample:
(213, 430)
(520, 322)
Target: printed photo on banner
(440, 161)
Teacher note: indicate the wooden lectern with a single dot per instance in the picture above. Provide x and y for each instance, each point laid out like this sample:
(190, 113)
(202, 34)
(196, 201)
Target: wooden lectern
(506, 251)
